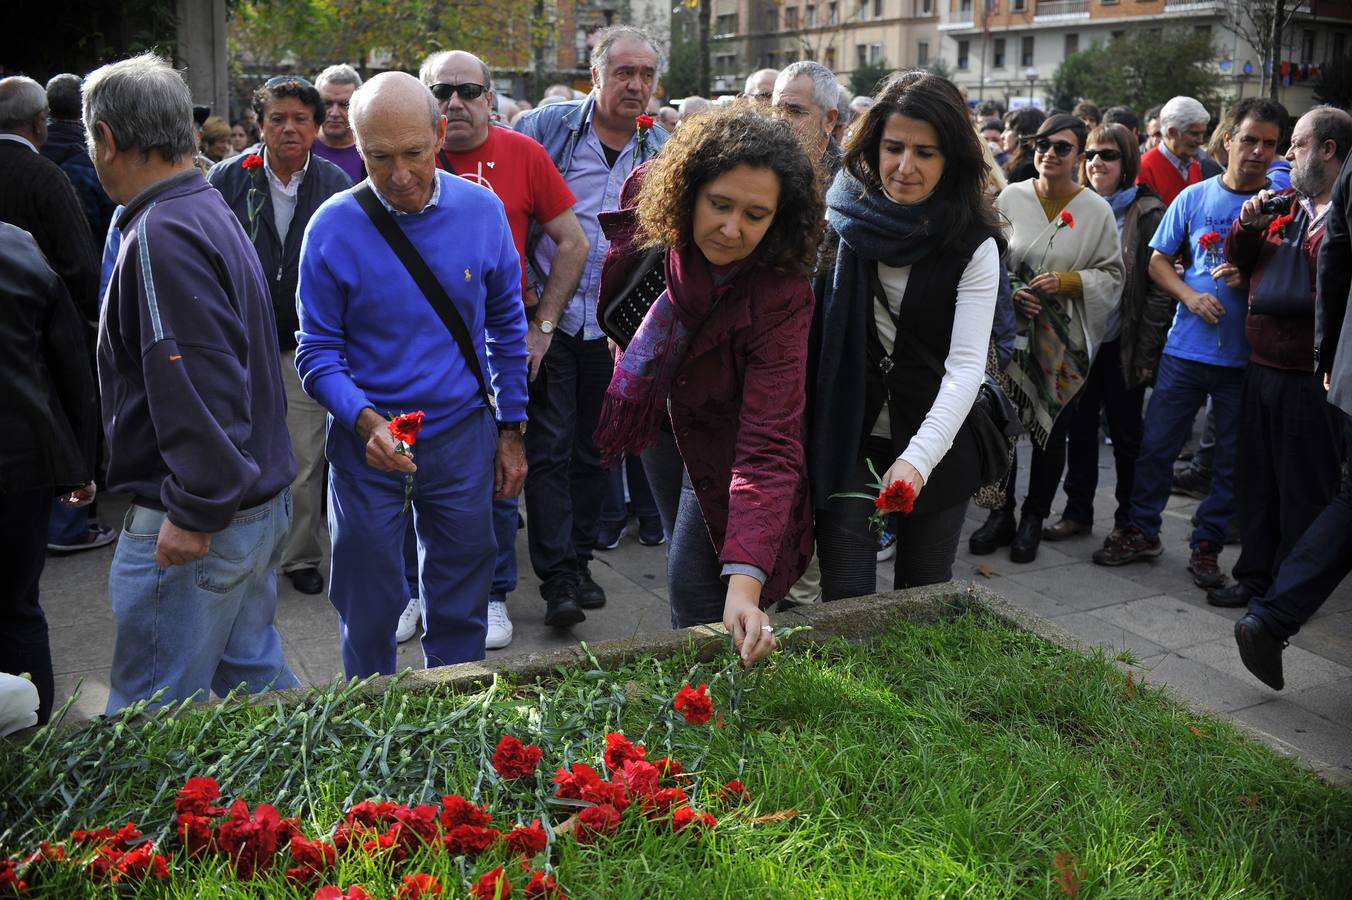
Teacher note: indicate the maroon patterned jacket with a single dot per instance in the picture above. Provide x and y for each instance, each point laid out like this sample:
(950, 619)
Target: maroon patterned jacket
(737, 404)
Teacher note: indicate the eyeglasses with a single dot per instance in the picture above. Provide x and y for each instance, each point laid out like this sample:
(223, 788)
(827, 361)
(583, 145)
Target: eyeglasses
(467, 90)
(1062, 148)
(283, 79)
(1109, 155)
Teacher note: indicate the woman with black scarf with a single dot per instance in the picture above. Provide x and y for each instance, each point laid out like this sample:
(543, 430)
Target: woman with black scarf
(902, 332)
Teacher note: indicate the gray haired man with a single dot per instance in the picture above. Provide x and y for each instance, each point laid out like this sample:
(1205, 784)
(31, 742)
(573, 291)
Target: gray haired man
(807, 95)
(336, 141)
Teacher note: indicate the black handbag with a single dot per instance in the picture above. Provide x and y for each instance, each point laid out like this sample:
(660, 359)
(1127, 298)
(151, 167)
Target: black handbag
(620, 315)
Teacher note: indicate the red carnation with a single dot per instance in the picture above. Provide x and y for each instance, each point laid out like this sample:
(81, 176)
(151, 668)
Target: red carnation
(685, 817)
(492, 885)
(571, 784)
(543, 887)
(252, 840)
(456, 810)
(661, 803)
(417, 886)
(527, 840)
(10, 882)
(898, 497)
(512, 759)
(141, 864)
(195, 832)
(1278, 225)
(196, 795)
(638, 777)
(469, 840)
(606, 792)
(404, 428)
(330, 892)
(252, 161)
(596, 821)
(46, 852)
(734, 792)
(1210, 241)
(313, 859)
(81, 838)
(695, 704)
(1067, 219)
(618, 749)
(668, 768)
(643, 121)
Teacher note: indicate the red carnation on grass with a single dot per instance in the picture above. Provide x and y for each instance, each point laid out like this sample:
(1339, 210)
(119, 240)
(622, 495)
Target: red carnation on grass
(643, 121)
(121, 840)
(570, 784)
(492, 885)
(252, 161)
(418, 886)
(46, 852)
(734, 792)
(196, 795)
(140, 864)
(470, 840)
(313, 859)
(416, 826)
(694, 820)
(899, 497)
(512, 759)
(1211, 240)
(330, 892)
(404, 428)
(637, 777)
(456, 810)
(252, 840)
(196, 834)
(606, 792)
(527, 840)
(668, 768)
(661, 803)
(596, 821)
(695, 703)
(1067, 219)
(375, 813)
(543, 887)
(10, 882)
(618, 749)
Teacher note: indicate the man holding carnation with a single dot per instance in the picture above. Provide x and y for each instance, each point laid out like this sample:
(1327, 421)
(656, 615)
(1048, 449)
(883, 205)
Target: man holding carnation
(375, 342)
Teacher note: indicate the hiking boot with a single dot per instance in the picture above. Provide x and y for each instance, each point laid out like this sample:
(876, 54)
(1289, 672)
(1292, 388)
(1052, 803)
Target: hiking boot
(1232, 597)
(1191, 483)
(998, 532)
(561, 609)
(1127, 545)
(1065, 529)
(1205, 565)
(1026, 541)
(1260, 651)
(589, 593)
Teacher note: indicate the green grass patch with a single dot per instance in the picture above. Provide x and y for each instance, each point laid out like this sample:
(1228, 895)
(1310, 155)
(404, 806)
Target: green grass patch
(952, 759)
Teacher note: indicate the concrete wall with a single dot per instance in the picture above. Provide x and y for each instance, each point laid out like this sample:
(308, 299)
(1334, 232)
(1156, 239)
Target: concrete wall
(201, 52)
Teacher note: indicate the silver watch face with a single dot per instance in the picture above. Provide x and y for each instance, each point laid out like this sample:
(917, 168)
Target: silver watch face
(545, 327)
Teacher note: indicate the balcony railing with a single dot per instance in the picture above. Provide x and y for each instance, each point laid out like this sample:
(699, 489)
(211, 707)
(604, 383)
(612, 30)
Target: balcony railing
(955, 15)
(1061, 9)
(1192, 5)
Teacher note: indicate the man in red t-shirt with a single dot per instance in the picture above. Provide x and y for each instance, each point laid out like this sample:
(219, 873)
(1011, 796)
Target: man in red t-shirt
(525, 179)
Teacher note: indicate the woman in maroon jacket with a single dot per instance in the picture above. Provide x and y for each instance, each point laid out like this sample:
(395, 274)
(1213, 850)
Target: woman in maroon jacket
(711, 388)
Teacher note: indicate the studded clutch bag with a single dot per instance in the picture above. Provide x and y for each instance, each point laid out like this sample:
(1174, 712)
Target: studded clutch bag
(621, 314)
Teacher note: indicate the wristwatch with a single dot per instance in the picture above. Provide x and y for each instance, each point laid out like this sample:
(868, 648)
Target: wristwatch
(518, 427)
(545, 326)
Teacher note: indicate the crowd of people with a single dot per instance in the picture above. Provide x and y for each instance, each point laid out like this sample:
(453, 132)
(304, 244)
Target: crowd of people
(735, 321)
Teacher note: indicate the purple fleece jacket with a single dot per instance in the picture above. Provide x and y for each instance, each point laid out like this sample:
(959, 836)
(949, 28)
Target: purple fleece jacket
(193, 407)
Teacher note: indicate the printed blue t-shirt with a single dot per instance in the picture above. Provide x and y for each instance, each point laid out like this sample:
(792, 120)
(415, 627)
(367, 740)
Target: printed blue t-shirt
(1200, 209)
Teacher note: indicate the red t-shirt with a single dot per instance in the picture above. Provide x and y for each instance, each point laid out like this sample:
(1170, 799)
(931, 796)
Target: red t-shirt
(520, 172)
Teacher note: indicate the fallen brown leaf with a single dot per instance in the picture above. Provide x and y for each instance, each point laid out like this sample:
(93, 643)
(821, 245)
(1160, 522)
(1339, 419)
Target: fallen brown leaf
(1199, 732)
(1249, 800)
(566, 826)
(1131, 685)
(985, 571)
(719, 720)
(779, 816)
(1068, 879)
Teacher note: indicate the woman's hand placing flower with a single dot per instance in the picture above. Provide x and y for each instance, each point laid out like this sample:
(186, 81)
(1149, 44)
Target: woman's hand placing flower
(748, 625)
(1048, 284)
(901, 470)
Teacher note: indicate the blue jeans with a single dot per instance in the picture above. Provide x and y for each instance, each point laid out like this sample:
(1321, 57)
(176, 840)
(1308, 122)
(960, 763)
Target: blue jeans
(1181, 387)
(203, 626)
(451, 513)
(616, 511)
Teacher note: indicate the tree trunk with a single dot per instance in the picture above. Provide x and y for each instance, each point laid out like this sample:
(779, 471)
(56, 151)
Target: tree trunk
(1279, 10)
(538, 52)
(705, 76)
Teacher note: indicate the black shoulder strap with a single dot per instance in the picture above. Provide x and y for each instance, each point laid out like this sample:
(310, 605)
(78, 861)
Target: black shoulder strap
(425, 279)
(903, 336)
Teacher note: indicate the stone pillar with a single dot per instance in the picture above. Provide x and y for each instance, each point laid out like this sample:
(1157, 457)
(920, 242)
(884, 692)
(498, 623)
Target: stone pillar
(201, 53)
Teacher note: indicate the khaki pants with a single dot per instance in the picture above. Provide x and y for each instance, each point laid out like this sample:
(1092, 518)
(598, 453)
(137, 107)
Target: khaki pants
(305, 421)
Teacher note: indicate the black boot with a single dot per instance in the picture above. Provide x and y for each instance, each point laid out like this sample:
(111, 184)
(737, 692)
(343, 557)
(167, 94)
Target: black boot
(996, 533)
(1024, 548)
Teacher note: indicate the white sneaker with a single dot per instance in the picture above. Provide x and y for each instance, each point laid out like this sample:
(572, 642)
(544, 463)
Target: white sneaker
(499, 625)
(408, 622)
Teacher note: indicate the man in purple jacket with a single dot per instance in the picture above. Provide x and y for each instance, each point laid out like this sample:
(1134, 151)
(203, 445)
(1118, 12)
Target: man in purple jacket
(193, 407)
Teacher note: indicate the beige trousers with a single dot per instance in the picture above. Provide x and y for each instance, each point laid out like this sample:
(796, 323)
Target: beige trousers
(309, 532)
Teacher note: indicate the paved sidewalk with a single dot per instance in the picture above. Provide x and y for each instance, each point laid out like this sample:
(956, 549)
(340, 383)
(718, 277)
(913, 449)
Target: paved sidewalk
(1151, 611)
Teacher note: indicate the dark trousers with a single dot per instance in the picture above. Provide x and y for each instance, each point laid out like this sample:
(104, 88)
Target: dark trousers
(1106, 391)
(695, 584)
(847, 548)
(1317, 563)
(23, 627)
(1287, 470)
(616, 511)
(567, 487)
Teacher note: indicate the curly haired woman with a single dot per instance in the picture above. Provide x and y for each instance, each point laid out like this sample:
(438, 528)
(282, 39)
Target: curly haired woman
(711, 388)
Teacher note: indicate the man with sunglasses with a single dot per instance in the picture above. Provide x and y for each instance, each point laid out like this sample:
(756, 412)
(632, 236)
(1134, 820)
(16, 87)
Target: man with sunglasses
(532, 192)
(594, 143)
(274, 202)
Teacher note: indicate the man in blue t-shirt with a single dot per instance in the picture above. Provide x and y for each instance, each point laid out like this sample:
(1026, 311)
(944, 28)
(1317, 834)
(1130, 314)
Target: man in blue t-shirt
(1206, 351)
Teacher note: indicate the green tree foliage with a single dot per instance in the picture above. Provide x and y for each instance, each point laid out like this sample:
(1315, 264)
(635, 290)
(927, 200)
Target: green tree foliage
(1139, 69)
(1334, 86)
(864, 79)
(681, 79)
(941, 68)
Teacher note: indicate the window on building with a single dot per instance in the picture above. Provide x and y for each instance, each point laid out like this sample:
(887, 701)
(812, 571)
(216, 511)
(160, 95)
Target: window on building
(1026, 51)
(1118, 35)
(862, 15)
(1201, 29)
(832, 14)
(861, 56)
(998, 53)
(829, 58)
(810, 16)
(1307, 46)
(877, 9)
(1072, 43)
(927, 7)
(1018, 5)
(791, 17)
(772, 19)
(1339, 47)
(726, 24)
(922, 54)
(964, 47)
(790, 56)
(965, 7)
(875, 53)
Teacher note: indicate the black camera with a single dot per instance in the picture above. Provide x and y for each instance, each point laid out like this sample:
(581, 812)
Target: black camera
(1277, 206)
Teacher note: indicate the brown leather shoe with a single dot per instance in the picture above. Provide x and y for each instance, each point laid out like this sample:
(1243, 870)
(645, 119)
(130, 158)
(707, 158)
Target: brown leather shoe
(1065, 529)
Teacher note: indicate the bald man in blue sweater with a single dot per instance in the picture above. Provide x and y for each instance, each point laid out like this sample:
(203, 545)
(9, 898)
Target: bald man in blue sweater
(371, 346)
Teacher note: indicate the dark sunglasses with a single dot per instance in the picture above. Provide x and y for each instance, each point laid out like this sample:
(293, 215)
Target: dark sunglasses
(467, 90)
(1062, 148)
(1108, 155)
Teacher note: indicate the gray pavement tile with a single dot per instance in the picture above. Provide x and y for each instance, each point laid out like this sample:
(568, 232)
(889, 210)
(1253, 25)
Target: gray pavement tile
(1167, 621)
(1328, 635)
(1113, 638)
(1030, 599)
(1320, 739)
(1332, 699)
(1080, 585)
(1204, 685)
(81, 648)
(302, 618)
(93, 697)
(1048, 557)
(1302, 668)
